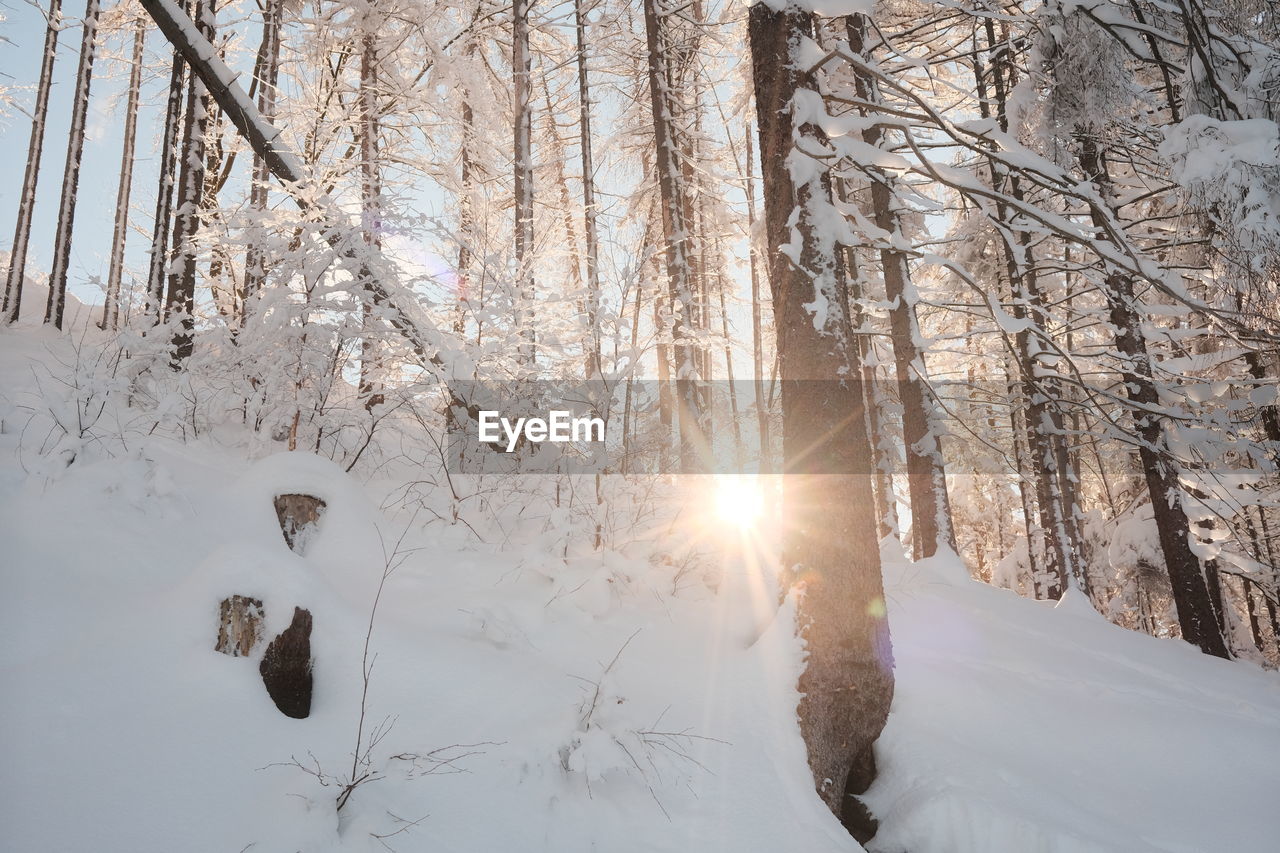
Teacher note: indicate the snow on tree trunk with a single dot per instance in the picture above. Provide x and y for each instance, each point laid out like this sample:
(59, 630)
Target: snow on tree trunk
(370, 202)
(682, 303)
(757, 333)
(522, 165)
(830, 543)
(71, 174)
(926, 476)
(111, 310)
(590, 230)
(268, 68)
(1190, 590)
(180, 298)
(158, 267)
(12, 304)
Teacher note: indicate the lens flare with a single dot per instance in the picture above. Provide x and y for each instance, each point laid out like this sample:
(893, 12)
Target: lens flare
(739, 501)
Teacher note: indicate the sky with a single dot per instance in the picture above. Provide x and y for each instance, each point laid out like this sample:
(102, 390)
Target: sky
(22, 35)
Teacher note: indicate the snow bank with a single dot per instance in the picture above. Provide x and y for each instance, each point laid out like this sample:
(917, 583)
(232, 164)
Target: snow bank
(555, 700)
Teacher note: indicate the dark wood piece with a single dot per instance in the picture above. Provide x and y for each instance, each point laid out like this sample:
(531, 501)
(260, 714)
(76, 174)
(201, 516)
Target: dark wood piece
(286, 667)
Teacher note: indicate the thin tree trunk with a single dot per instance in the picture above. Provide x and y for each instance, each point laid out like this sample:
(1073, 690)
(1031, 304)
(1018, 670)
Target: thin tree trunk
(268, 64)
(1190, 591)
(180, 299)
(159, 266)
(926, 477)
(57, 302)
(370, 203)
(111, 310)
(757, 333)
(1040, 421)
(588, 195)
(682, 301)
(522, 157)
(12, 305)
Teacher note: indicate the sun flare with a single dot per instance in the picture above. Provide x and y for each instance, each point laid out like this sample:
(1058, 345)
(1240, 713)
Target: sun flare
(739, 500)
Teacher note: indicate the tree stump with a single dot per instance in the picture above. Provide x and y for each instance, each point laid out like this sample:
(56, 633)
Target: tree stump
(239, 625)
(298, 516)
(286, 667)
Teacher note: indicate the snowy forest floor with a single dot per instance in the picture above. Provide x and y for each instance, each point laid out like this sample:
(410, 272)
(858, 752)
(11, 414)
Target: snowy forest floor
(556, 698)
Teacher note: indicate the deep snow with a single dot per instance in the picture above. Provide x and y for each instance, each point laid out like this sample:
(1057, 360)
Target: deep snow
(1017, 727)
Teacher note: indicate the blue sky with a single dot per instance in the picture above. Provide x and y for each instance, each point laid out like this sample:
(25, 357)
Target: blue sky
(21, 43)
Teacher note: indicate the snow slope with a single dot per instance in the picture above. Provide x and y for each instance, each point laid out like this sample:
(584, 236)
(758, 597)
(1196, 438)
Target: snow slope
(588, 703)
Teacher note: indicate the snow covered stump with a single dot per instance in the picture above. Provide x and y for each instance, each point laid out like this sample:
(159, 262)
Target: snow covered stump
(239, 625)
(298, 515)
(286, 667)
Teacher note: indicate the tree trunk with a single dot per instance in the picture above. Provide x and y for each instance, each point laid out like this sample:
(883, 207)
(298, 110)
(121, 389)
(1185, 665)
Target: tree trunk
(111, 310)
(522, 158)
(370, 201)
(1040, 422)
(757, 333)
(681, 300)
(588, 196)
(180, 299)
(268, 65)
(71, 174)
(926, 477)
(12, 305)
(1190, 592)
(830, 544)
(159, 266)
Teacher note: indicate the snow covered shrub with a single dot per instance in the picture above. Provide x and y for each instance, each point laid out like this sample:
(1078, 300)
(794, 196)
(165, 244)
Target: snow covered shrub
(611, 740)
(1231, 171)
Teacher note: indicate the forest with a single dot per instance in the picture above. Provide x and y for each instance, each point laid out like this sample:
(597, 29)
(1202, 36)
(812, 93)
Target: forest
(934, 350)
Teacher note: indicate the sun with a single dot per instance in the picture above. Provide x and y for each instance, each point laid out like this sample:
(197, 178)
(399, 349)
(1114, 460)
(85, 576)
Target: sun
(739, 500)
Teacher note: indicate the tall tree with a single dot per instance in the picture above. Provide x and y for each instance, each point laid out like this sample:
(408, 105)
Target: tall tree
(370, 191)
(267, 67)
(926, 475)
(830, 541)
(12, 304)
(522, 164)
(180, 295)
(682, 300)
(111, 310)
(158, 268)
(588, 194)
(71, 173)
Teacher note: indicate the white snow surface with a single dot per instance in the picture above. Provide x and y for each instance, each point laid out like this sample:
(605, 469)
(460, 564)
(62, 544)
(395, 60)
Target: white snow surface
(1017, 727)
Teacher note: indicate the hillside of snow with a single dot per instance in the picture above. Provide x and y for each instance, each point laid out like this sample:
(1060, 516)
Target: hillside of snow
(529, 693)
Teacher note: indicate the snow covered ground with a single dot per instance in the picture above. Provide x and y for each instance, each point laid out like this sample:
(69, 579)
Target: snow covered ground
(555, 699)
